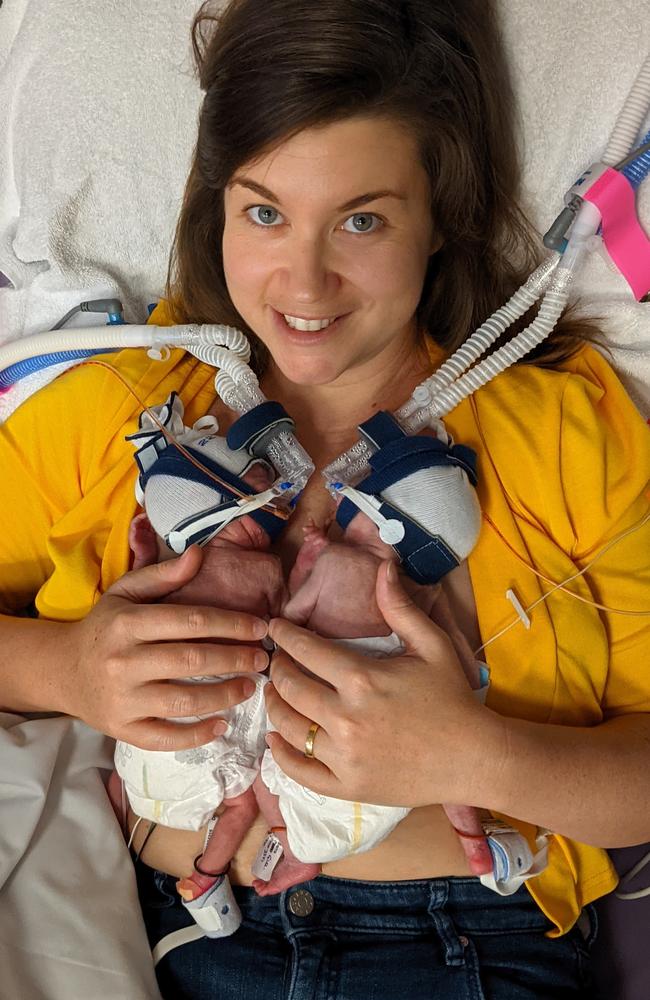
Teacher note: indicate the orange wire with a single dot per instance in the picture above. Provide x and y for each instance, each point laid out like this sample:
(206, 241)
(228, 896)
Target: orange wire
(277, 511)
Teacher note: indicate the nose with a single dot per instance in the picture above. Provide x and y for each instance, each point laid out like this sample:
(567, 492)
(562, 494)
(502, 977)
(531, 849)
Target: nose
(307, 272)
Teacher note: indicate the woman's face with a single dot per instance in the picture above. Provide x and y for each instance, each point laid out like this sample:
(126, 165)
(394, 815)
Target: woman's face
(325, 247)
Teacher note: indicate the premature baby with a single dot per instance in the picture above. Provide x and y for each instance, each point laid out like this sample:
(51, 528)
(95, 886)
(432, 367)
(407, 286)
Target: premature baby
(332, 591)
(183, 789)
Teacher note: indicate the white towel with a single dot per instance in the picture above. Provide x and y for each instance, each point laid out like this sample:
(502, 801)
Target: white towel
(573, 65)
(98, 107)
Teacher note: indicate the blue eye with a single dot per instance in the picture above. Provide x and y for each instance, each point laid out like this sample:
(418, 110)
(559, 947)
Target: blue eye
(264, 215)
(363, 222)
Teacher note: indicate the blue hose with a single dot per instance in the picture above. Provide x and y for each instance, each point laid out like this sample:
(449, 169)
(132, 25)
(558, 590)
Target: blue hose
(15, 372)
(639, 169)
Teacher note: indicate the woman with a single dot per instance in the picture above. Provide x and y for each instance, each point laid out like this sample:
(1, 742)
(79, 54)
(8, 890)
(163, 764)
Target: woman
(351, 207)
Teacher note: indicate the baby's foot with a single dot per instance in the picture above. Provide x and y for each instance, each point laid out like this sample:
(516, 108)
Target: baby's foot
(194, 885)
(315, 540)
(288, 871)
(143, 542)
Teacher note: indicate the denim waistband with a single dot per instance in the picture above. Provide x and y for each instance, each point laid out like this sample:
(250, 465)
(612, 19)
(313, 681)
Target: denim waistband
(403, 906)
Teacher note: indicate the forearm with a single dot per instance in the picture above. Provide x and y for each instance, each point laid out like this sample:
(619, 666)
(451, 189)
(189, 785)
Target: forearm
(590, 784)
(35, 665)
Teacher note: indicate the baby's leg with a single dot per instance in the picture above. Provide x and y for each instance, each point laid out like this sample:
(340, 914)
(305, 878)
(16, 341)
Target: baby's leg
(288, 871)
(232, 826)
(467, 824)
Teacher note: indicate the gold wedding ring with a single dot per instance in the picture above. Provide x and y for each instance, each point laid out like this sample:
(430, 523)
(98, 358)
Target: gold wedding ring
(309, 742)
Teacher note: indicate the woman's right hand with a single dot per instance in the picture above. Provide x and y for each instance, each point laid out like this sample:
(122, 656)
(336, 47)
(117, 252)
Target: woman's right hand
(129, 654)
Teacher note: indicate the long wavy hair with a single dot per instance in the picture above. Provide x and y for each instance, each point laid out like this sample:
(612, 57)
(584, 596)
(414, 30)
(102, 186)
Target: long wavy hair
(270, 68)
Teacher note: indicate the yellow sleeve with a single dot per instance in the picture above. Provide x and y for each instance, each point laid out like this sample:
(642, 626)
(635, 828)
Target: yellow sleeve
(604, 470)
(41, 480)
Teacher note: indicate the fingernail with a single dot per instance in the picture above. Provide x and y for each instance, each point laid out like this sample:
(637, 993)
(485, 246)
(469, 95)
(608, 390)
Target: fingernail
(249, 688)
(220, 728)
(260, 660)
(260, 628)
(391, 573)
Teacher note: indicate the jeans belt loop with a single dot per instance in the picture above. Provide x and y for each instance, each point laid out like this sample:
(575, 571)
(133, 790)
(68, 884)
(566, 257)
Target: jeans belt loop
(454, 947)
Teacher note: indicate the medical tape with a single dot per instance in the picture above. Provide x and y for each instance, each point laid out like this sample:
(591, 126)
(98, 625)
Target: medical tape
(391, 531)
(625, 241)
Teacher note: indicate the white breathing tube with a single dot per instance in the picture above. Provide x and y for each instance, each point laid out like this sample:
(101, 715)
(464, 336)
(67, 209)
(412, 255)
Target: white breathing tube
(222, 347)
(630, 120)
(203, 341)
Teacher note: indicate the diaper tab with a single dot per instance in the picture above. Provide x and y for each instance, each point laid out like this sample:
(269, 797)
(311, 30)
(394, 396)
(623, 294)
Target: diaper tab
(216, 911)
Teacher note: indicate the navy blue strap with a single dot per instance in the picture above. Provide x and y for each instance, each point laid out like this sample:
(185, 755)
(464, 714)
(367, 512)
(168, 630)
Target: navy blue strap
(173, 463)
(425, 557)
(381, 429)
(255, 426)
(400, 458)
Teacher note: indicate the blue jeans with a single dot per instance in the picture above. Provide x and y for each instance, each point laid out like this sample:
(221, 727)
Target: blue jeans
(448, 938)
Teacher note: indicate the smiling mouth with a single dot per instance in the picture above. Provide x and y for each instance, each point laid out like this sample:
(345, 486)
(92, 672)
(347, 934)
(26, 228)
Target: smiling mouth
(308, 325)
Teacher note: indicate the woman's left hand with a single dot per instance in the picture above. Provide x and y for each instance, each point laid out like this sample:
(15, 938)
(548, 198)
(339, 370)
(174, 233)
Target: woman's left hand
(400, 731)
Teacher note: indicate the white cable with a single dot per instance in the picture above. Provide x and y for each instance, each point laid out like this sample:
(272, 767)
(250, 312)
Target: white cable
(630, 120)
(174, 940)
(135, 827)
(640, 893)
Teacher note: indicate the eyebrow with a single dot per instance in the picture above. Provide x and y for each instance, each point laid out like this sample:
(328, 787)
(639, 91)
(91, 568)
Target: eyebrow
(357, 202)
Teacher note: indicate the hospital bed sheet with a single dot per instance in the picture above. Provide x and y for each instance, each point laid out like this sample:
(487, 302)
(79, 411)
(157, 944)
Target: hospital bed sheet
(70, 924)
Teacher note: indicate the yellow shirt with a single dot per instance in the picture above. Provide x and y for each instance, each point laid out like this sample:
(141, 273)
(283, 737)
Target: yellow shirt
(564, 462)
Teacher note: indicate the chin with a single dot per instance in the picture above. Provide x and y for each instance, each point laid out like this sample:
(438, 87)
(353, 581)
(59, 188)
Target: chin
(314, 373)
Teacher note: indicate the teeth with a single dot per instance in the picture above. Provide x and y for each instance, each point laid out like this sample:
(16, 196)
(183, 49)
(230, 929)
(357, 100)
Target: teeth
(307, 325)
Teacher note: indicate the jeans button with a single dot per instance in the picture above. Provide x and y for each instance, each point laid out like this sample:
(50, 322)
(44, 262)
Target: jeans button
(463, 940)
(301, 903)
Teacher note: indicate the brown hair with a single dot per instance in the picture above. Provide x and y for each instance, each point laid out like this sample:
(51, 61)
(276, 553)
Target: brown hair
(270, 68)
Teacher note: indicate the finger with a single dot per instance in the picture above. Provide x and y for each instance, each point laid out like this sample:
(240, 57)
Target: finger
(162, 622)
(150, 583)
(321, 656)
(174, 660)
(294, 726)
(415, 629)
(310, 772)
(306, 695)
(182, 701)
(158, 734)
(443, 616)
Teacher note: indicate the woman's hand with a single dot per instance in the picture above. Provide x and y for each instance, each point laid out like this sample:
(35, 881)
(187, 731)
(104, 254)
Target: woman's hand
(127, 655)
(400, 731)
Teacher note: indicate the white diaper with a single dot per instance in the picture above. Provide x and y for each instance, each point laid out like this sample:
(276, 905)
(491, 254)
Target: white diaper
(321, 828)
(182, 788)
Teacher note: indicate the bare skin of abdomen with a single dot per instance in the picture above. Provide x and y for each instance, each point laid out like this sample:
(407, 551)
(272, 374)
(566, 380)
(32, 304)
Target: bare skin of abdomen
(423, 845)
